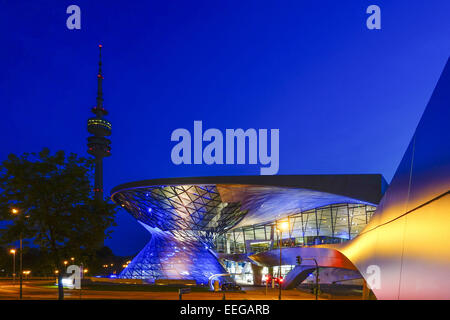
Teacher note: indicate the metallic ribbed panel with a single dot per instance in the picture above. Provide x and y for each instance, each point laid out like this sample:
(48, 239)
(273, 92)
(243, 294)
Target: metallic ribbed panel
(268, 203)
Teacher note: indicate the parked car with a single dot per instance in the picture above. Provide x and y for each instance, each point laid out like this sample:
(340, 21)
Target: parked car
(230, 286)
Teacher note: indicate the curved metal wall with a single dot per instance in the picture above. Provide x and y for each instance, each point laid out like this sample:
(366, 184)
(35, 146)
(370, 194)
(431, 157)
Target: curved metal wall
(408, 237)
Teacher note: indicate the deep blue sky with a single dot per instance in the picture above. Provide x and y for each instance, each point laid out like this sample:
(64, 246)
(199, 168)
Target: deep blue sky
(346, 99)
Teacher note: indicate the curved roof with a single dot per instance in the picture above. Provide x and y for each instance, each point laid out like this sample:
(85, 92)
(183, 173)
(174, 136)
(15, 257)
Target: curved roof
(365, 187)
(216, 204)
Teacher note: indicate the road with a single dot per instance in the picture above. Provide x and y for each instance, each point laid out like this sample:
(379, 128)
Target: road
(37, 290)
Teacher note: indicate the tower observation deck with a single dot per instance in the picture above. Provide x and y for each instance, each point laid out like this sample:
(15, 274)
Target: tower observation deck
(99, 128)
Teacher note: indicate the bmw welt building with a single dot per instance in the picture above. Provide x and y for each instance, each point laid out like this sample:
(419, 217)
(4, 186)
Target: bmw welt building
(396, 238)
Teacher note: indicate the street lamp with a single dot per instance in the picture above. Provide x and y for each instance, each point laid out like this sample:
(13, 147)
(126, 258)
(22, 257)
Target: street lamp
(16, 212)
(13, 252)
(281, 226)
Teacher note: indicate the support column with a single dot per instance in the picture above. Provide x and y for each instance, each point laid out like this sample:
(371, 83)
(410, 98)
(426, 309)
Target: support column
(270, 270)
(257, 274)
(227, 244)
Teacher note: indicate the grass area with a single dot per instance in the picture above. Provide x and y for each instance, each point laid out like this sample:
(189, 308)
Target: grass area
(138, 287)
(131, 287)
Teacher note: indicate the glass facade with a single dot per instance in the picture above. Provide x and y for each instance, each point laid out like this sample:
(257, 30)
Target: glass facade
(166, 257)
(334, 223)
(242, 273)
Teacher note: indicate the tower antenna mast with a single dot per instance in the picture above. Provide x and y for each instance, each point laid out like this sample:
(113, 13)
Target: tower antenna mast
(99, 128)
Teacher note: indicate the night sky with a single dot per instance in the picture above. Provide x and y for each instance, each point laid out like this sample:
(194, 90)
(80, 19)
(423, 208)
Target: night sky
(346, 99)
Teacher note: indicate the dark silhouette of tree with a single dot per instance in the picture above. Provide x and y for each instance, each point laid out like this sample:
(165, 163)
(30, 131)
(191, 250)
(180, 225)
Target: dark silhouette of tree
(54, 206)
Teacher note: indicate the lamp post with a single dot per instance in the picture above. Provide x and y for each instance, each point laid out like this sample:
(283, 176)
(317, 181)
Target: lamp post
(13, 252)
(15, 211)
(299, 262)
(20, 268)
(281, 226)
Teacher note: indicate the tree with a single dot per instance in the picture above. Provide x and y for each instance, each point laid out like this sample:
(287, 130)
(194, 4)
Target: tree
(53, 204)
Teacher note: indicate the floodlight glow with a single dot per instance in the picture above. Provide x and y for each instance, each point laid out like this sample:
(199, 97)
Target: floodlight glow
(67, 282)
(283, 226)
